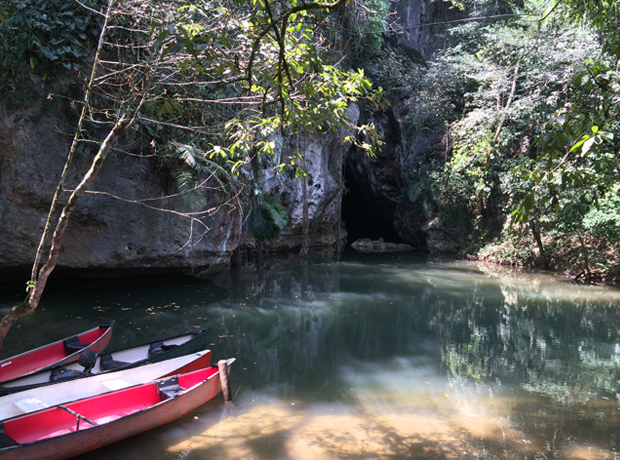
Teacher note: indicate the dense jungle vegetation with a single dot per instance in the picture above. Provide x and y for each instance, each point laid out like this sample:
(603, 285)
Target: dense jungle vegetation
(529, 98)
(527, 92)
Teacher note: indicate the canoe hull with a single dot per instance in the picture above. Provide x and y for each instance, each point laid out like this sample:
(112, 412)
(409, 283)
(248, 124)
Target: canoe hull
(190, 342)
(54, 354)
(84, 441)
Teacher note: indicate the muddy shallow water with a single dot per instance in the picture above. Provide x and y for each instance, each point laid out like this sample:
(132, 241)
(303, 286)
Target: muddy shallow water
(382, 357)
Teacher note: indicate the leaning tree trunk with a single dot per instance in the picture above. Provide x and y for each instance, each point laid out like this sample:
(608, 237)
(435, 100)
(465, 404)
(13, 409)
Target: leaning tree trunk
(39, 277)
(37, 287)
(539, 244)
(586, 257)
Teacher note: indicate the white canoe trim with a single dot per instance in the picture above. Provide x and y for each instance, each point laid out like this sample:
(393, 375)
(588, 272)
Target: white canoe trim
(63, 392)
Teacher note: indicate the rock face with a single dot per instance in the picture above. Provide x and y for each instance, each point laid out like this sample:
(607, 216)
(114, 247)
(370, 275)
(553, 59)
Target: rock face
(104, 232)
(321, 163)
(130, 223)
(383, 179)
(419, 26)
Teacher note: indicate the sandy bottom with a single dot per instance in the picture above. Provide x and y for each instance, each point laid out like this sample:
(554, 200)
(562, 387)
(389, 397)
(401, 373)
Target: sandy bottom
(431, 428)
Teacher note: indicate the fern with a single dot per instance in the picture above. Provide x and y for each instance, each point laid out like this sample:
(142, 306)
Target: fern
(261, 225)
(188, 163)
(190, 156)
(189, 188)
(276, 212)
(266, 219)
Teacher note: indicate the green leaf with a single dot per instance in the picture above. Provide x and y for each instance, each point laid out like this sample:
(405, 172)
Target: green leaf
(48, 53)
(587, 145)
(224, 41)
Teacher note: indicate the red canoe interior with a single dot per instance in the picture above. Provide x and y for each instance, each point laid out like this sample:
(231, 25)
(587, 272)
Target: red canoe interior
(45, 356)
(53, 422)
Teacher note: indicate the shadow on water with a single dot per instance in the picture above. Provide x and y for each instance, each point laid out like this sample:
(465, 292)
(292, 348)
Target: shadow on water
(388, 357)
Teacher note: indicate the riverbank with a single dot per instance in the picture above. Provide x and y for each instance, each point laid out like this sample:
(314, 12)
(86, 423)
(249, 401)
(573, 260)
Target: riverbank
(589, 260)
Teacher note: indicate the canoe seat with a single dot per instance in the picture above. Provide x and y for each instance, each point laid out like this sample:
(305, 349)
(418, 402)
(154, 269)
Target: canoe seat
(107, 363)
(169, 388)
(5, 439)
(158, 348)
(73, 344)
(29, 404)
(115, 384)
(60, 374)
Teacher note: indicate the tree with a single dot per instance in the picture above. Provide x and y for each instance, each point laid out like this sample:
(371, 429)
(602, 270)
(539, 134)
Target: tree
(578, 159)
(225, 78)
(530, 104)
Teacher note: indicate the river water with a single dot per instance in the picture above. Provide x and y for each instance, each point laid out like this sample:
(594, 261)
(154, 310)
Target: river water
(377, 357)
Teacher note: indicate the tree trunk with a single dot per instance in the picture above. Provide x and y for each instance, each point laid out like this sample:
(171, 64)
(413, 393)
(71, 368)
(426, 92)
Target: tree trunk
(586, 258)
(303, 252)
(37, 287)
(541, 248)
(508, 103)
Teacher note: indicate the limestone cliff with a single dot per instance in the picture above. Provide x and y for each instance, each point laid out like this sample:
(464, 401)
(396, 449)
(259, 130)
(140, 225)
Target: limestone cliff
(128, 233)
(105, 232)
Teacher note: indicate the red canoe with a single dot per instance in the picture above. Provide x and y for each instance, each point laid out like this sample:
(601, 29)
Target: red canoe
(57, 353)
(78, 427)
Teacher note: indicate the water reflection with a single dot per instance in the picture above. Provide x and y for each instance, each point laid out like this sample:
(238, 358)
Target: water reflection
(385, 357)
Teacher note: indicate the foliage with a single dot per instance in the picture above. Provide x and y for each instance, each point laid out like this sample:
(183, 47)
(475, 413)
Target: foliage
(365, 25)
(578, 159)
(222, 80)
(604, 221)
(266, 219)
(45, 36)
(194, 172)
(531, 106)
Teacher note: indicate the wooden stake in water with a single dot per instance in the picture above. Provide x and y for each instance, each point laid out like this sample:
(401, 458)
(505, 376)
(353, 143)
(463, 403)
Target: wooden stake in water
(222, 365)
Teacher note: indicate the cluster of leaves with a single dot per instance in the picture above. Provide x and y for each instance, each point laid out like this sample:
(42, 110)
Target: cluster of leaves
(46, 37)
(365, 26)
(574, 175)
(195, 172)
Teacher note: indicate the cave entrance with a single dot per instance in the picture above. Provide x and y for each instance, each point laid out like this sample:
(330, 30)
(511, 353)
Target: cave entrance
(365, 215)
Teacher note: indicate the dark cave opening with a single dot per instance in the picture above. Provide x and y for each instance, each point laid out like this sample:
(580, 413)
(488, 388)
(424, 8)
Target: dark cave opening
(364, 215)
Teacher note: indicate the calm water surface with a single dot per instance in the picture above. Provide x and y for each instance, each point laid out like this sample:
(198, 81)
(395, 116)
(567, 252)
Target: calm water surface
(385, 357)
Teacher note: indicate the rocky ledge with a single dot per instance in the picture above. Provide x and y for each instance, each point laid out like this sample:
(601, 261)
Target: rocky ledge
(367, 245)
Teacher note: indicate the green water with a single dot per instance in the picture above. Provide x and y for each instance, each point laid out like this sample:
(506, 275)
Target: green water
(387, 357)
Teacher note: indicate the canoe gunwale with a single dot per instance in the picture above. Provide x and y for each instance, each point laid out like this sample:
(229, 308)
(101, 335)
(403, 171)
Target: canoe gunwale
(19, 403)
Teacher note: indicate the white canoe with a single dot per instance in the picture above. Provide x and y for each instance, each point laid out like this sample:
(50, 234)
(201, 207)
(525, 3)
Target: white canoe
(60, 393)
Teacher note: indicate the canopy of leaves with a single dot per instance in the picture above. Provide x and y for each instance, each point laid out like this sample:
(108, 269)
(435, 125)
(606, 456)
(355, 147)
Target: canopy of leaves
(531, 107)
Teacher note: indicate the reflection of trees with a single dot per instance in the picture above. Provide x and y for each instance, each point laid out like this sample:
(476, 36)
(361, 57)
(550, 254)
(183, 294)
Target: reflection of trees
(566, 350)
(303, 321)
